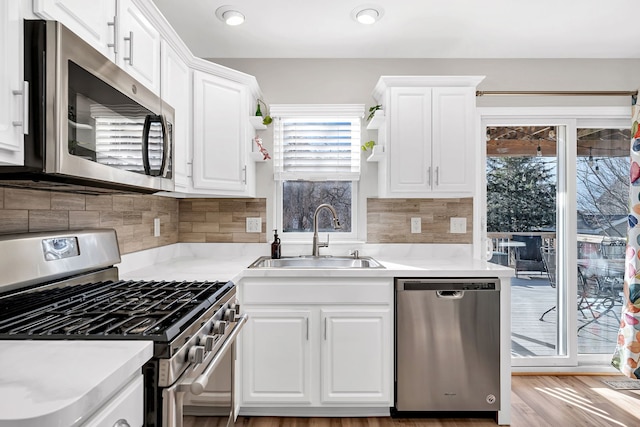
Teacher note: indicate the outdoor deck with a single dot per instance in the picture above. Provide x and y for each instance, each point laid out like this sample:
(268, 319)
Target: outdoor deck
(531, 296)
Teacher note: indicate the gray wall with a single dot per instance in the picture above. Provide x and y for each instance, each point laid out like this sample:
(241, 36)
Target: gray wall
(352, 80)
(331, 81)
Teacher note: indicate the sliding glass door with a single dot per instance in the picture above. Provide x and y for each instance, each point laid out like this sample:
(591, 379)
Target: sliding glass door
(555, 210)
(602, 193)
(522, 199)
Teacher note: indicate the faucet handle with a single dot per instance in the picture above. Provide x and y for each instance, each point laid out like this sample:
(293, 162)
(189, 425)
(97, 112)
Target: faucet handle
(355, 253)
(324, 244)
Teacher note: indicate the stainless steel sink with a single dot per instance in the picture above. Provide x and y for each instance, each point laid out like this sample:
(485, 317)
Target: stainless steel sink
(316, 262)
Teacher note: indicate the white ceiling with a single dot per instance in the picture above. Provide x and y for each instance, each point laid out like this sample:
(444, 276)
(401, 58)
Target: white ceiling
(411, 29)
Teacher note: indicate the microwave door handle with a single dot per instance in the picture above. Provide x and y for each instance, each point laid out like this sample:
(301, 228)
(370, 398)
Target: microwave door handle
(145, 144)
(166, 146)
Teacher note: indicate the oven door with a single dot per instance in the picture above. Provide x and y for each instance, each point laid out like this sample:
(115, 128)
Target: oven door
(205, 389)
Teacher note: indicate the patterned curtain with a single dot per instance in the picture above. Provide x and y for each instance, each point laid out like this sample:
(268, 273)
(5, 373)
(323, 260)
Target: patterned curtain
(627, 354)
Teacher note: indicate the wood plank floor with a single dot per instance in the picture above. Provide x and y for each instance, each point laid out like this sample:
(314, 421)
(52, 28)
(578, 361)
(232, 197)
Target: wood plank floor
(537, 401)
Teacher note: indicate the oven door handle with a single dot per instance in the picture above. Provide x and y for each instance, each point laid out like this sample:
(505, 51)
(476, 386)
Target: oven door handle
(198, 385)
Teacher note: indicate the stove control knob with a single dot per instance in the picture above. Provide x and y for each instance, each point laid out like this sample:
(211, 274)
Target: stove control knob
(235, 306)
(207, 342)
(219, 327)
(196, 354)
(230, 315)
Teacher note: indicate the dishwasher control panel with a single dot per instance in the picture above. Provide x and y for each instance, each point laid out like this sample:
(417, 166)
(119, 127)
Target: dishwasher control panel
(463, 284)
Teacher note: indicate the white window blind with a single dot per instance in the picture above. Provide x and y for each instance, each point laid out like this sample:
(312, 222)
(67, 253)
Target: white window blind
(317, 147)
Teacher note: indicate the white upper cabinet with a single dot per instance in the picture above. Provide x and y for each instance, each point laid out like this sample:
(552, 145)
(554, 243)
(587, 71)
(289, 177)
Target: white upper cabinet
(176, 91)
(138, 45)
(94, 21)
(222, 132)
(12, 88)
(118, 29)
(426, 139)
(213, 135)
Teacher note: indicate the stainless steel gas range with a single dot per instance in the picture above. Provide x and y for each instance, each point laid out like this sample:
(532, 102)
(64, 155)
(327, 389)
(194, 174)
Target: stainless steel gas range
(64, 285)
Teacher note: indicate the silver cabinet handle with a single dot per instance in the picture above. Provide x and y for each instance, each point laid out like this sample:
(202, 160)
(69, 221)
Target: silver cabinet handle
(325, 328)
(24, 92)
(244, 171)
(130, 40)
(437, 175)
(121, 423)
(429, 175)
(307, 319)
(114, 24)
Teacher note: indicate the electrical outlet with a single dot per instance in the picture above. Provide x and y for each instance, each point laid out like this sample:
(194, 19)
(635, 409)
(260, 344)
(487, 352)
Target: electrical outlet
(416, 225)
(254, 225)
(156, 227)
(458, 225)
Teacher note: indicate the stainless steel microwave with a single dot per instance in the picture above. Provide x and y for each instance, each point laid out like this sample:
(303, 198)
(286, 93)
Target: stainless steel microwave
(90, 123)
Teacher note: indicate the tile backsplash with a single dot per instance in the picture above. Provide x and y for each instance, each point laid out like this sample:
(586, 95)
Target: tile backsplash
(201, 220)
(221, 220)
(389, 220)
(131, 215)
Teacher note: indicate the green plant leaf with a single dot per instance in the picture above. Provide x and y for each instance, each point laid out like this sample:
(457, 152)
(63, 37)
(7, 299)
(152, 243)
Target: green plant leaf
(372, 111)
(368, 145)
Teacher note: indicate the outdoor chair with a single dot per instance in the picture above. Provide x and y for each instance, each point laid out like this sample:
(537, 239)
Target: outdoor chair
(528, 257)
(611, 277)
(590, 295)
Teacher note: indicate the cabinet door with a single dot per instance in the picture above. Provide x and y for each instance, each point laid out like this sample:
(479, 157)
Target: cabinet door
(453, 138)
(176, 91)
(139, 46)
(356, 355)
(11, 85)
(219, 135)
(410, 141)
(92, 20)
(276, 356)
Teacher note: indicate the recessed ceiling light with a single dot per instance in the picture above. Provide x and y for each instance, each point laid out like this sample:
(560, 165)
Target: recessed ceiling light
(367, 14)
(229, 15)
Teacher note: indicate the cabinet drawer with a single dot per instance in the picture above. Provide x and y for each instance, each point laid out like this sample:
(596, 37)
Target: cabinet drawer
(127, 405)
(316, 291)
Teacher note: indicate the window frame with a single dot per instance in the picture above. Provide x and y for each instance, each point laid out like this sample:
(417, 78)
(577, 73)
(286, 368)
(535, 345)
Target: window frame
(286, 111)
(306, 236)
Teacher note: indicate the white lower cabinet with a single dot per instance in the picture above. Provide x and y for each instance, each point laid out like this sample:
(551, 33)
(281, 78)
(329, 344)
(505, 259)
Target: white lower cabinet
(317, 344)
(276, 356)
(126, 408)
(283, 347)
(354, 355)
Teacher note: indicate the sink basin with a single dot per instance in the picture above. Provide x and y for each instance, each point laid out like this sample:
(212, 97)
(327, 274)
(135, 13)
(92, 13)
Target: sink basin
(316, 262)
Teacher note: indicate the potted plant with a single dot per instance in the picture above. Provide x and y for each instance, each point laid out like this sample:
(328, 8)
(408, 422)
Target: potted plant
(266, 120)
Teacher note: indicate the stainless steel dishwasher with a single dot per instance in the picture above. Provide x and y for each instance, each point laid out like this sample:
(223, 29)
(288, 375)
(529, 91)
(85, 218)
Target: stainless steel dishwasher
(447, 345)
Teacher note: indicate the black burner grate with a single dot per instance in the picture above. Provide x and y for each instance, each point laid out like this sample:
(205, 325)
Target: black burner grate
(157, 310)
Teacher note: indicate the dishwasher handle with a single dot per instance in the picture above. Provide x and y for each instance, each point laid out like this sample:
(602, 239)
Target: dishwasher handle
(450, 294)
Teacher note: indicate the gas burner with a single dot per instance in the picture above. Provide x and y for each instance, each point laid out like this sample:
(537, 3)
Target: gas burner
(156, 310)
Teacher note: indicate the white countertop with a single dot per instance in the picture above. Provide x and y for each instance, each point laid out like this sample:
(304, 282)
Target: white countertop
(60, 383)
(230, 261)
